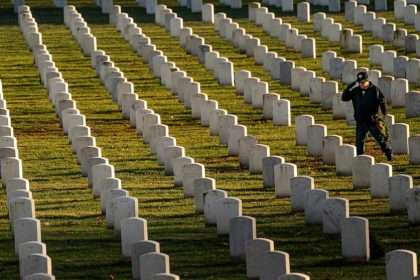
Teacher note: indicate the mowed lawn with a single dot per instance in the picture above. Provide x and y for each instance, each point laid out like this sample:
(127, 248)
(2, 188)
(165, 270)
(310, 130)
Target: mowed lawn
(80, 245)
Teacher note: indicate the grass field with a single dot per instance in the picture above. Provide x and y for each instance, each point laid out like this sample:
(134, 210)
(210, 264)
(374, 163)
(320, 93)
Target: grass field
(75, 233)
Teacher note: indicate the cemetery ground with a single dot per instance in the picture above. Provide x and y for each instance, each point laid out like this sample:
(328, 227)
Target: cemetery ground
(78, 242)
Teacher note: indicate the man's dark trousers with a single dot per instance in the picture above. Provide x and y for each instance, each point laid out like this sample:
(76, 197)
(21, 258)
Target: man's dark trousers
(362, 128)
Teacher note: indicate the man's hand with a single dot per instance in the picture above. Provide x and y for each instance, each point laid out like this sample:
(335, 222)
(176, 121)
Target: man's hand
(354, 85)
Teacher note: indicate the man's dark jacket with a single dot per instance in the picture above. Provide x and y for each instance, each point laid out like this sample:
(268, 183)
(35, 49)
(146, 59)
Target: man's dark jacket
(365, 102)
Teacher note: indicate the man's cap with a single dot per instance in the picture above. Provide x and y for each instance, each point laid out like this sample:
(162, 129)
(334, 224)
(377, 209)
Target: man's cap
(362, 76)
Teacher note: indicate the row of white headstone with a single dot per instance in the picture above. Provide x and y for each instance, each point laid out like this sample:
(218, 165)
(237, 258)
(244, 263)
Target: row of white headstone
(275, 27)
(218, 208)
(334, 32)
(407, 12)
(34, 262)
(381, 28)
(147, 260)
(26, 228)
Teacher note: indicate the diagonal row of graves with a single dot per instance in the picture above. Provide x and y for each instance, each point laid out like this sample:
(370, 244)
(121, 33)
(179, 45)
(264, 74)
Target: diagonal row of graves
(26, 228)
(123, 21)
(120, 209)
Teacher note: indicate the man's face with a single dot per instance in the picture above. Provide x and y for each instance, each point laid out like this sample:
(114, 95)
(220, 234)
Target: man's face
(364, 84)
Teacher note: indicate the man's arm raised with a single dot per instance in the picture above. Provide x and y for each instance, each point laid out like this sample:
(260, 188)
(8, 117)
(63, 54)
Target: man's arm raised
(348, 92)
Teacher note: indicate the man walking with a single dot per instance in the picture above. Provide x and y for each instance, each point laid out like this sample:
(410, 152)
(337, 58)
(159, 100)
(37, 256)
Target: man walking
(367, 99)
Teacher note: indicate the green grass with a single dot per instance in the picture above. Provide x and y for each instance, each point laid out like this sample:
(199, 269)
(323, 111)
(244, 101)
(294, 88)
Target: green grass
(78, 242)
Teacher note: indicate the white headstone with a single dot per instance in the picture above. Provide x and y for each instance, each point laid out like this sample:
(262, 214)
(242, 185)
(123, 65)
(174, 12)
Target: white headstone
(258, 152)
(210, 205)
(314, 203)
(132, 230)
(124, 207)
(399, 134)
(26, 229)
(316, 134)
(399, 185)
(226, 122)
(35, 263)
(152, 264)
(399, 89)
(330, 145)
(361, 166)
(208, 13)
(190, 173)
(303, 11)
(412, 104)
(401, 265)
(379, 178)
(299, 185)
(241, 229)
(302, 123)
(334, 211)
(227, 208)
(246, 144)
(281, 112)
(201, 187)
(268, 169)
(355, 239)
(137, 250)
(414, 148)
(255, 250)
(275, 264)
(282, 174)
(171, 153)
(178, 166)
(413, 205)
(100, 172)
